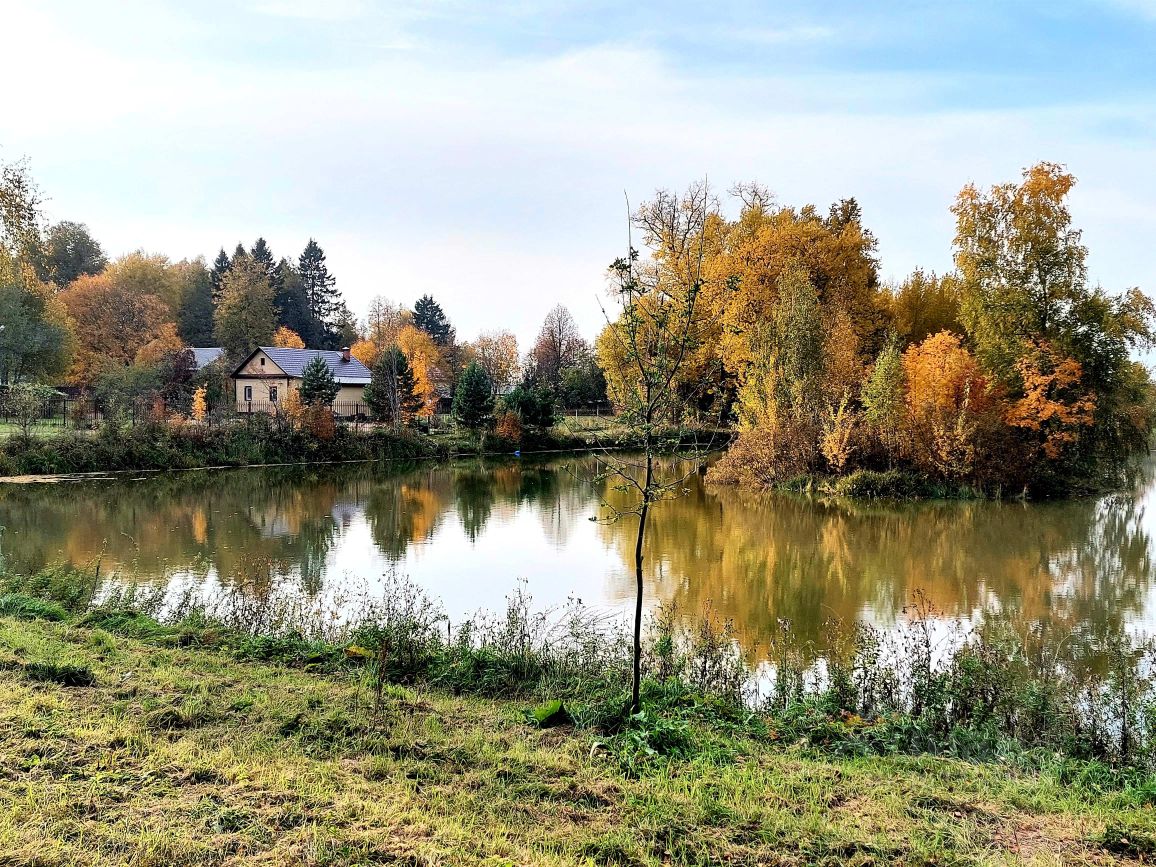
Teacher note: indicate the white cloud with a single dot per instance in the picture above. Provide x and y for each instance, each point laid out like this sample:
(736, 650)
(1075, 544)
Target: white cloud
(495, 182)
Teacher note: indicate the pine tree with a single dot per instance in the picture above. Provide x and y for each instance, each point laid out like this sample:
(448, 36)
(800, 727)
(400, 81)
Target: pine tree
(473, 401)
(317, 384)
(322, 299)
(292, 305)
(217, 275)
(195, 313)
(390, 394)
(263, 256)
(430, 318)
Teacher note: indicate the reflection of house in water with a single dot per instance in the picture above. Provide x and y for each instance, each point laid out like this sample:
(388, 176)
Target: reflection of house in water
(272, 523)
(345, 512)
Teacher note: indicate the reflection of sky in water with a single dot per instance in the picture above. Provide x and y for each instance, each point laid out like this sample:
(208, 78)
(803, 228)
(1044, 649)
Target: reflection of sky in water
(468, 533)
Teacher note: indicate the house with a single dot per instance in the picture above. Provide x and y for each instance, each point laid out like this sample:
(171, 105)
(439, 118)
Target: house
(270, 372)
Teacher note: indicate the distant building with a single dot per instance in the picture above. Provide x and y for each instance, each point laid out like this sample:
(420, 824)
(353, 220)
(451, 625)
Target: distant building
(206, 355)
(270, 373)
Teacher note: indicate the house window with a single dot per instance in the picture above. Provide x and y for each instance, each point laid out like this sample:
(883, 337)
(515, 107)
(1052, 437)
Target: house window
(248, 392)
(262, 360)
(273, 393)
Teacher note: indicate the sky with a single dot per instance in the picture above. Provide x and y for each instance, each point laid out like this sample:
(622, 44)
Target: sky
(483, 152)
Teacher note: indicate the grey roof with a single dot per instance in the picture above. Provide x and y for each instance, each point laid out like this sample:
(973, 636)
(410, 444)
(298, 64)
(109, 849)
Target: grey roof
(293, 362)
(204, 356)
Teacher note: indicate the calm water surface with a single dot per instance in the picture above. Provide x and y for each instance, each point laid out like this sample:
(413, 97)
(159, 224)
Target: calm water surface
(468, 531)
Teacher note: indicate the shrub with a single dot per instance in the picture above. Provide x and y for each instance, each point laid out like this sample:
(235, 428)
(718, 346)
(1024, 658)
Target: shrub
(509, 427)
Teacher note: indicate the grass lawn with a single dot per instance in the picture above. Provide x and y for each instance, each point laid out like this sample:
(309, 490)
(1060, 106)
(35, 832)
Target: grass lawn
(185, 756)
(40, 429)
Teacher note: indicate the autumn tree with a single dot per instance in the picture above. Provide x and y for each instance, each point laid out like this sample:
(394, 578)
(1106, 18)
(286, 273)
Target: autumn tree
(1055, 406)
(496, 352)
(390, 394)
(1022, 262)
(558, 347)
(143, 273)
(21, 223)
(425, 360)
(657, 330)
(286, 338)
(112, 322)
(925, 304)
(948, 401)
(245, 317)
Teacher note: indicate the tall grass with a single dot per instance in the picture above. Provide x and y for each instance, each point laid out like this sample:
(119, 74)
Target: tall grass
(996, 690)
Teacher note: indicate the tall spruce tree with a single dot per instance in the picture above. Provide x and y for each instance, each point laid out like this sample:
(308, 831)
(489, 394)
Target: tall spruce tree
(292, 305)
(321, 295)
(263, 256)
(473, 401)
(217, 275)
(430, 318)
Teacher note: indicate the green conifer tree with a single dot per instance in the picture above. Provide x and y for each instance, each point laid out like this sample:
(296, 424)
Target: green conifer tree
(317, 383)
(473, 401)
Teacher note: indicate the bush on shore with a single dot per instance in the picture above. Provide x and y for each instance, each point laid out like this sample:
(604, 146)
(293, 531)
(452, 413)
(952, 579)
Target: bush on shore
(259, 440)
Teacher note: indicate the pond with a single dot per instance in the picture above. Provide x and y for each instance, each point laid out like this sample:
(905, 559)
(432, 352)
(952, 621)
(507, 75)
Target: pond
(468, 531)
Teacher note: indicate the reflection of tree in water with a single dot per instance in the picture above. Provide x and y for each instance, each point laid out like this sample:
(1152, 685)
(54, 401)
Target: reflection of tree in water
(474, 494)
(406, 509)
(252, 527)
(758, 558)
(1084, 564)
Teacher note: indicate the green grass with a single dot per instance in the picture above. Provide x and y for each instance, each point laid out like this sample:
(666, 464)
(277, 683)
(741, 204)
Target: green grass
(40, 429)
(180, 754)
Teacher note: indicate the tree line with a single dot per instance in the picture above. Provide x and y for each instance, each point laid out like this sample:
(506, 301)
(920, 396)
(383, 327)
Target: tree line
(122, 328)
(1010, 373)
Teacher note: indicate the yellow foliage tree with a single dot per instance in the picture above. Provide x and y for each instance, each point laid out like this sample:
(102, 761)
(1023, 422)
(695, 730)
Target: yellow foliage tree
(287, 338)
(947, 399)
(200, 404)
(365, 351)
(426, 361)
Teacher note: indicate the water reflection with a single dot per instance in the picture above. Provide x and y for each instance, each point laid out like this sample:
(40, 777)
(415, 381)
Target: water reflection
(467, 530)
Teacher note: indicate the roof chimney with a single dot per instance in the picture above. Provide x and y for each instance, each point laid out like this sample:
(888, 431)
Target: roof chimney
(345, 354)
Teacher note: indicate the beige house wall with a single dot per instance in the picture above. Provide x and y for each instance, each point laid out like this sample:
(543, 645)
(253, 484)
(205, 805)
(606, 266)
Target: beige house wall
(347, 394)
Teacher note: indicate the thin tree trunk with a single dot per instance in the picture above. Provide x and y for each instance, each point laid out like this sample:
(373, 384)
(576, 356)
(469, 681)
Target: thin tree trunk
(636, 685)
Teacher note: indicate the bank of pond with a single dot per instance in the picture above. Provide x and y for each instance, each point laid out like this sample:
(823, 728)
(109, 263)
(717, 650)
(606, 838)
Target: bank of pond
(894, 749)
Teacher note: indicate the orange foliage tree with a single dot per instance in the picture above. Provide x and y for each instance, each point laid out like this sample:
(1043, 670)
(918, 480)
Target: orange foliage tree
(365, 351)
(112, 323)
(948, 401)
(1054, 405)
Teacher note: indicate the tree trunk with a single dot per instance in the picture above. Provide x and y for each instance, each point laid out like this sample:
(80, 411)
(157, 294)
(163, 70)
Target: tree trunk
(636, 684)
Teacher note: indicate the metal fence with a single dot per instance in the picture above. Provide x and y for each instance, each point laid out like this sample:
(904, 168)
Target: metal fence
(74, 413)
(87, 413)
